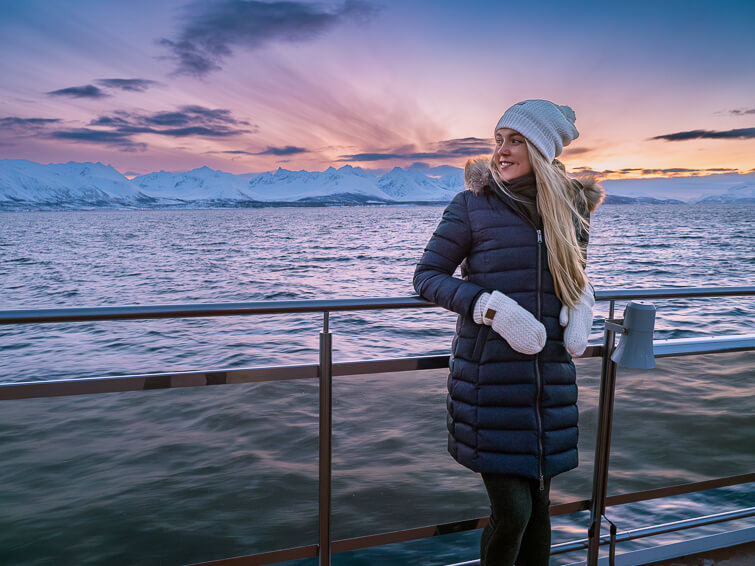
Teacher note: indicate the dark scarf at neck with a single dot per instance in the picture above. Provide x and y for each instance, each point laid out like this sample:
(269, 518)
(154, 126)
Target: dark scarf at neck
(524, 189)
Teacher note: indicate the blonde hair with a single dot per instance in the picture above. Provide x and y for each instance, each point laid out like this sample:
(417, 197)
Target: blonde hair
(559, 204)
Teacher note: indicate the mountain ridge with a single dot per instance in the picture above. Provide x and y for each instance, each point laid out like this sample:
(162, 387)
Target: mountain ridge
(29, 185)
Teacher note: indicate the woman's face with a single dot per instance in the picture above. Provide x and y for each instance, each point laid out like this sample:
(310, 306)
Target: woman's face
(511, 156)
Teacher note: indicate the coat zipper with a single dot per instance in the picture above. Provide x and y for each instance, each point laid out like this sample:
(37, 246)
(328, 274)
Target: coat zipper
(537, 364)
(538, 377)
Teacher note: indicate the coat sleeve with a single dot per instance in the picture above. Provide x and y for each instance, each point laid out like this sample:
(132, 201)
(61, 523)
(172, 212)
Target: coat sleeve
(447, 248)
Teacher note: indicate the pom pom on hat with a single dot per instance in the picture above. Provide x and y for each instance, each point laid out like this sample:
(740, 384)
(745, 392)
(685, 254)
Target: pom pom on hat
(569, 113)
(548, 126)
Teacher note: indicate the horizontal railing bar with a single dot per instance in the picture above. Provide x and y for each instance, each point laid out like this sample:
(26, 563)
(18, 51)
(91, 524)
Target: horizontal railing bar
(88, 314)
(309, 551)
(680, 489)
(407, 535)
(703, 345)
(654, 530)
(438, 530)
(84, 314)
(673, 293)
(147, 382)
(737, 540)
(152, 382)
(658, 493)
(417, 533)
(642, 532)
(170, 380)
(365, 367)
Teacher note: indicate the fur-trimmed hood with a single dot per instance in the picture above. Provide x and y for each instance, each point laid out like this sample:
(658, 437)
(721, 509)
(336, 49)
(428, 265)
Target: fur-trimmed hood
(477, 180)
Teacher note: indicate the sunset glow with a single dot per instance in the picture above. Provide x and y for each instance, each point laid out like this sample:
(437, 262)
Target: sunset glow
(659, 88)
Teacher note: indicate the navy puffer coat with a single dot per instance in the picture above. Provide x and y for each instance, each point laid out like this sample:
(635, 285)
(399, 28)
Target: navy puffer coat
(508, 413)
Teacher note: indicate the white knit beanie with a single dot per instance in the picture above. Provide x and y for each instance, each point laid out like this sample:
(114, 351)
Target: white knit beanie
(548, 126)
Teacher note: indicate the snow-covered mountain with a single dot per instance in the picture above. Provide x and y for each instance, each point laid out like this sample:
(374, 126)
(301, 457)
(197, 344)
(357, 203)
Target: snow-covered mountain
(25, 184)
(403, 186)
(203, 184)
(738, 194)
(29, 185)
(291, 186)
(689, 189)
(618, 199)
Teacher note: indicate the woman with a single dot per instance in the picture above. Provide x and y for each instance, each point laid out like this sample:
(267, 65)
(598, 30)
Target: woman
(520, 235)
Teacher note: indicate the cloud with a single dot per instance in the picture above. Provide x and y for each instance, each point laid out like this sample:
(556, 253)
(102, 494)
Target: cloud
(737, 134)
(120, 128)
(16, 123)
(13, 128)
(212, 30)
(190, 114)
(131, 85)
(112, 121)
(462, 147)
(590, 172)
(576, 151)
(86, 135)
(372, 156)
(446, 149)
(280, 151)
(186, 121)
(667, 172)
(91, 91)
(742, 111)
(192, 131)
(286, 150)
(86, 91)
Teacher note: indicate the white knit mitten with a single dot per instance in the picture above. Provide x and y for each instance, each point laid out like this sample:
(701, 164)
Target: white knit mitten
(578, 322)
(516, 325)
(478, 311)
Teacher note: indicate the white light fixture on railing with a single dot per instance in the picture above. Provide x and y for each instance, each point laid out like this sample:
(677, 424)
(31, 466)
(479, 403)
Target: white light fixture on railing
(635, 349)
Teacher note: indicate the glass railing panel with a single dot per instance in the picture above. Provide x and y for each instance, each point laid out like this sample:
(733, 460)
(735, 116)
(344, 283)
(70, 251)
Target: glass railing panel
(687, 420)
(163, 477)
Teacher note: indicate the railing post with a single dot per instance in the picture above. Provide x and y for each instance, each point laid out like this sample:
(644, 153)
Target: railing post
(602, 443)
(326, 422)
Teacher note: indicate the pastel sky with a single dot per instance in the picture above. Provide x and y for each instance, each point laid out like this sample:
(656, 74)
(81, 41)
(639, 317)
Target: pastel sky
(658, 87)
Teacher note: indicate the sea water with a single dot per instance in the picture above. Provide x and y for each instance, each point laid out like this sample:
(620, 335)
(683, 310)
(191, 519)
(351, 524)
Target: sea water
(183, 476)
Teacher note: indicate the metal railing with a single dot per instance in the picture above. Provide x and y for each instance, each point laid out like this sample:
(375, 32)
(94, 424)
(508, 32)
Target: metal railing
(326, 369)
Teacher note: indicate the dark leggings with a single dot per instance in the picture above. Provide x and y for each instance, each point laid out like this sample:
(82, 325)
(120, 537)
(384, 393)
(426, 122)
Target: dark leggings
(519, 529)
